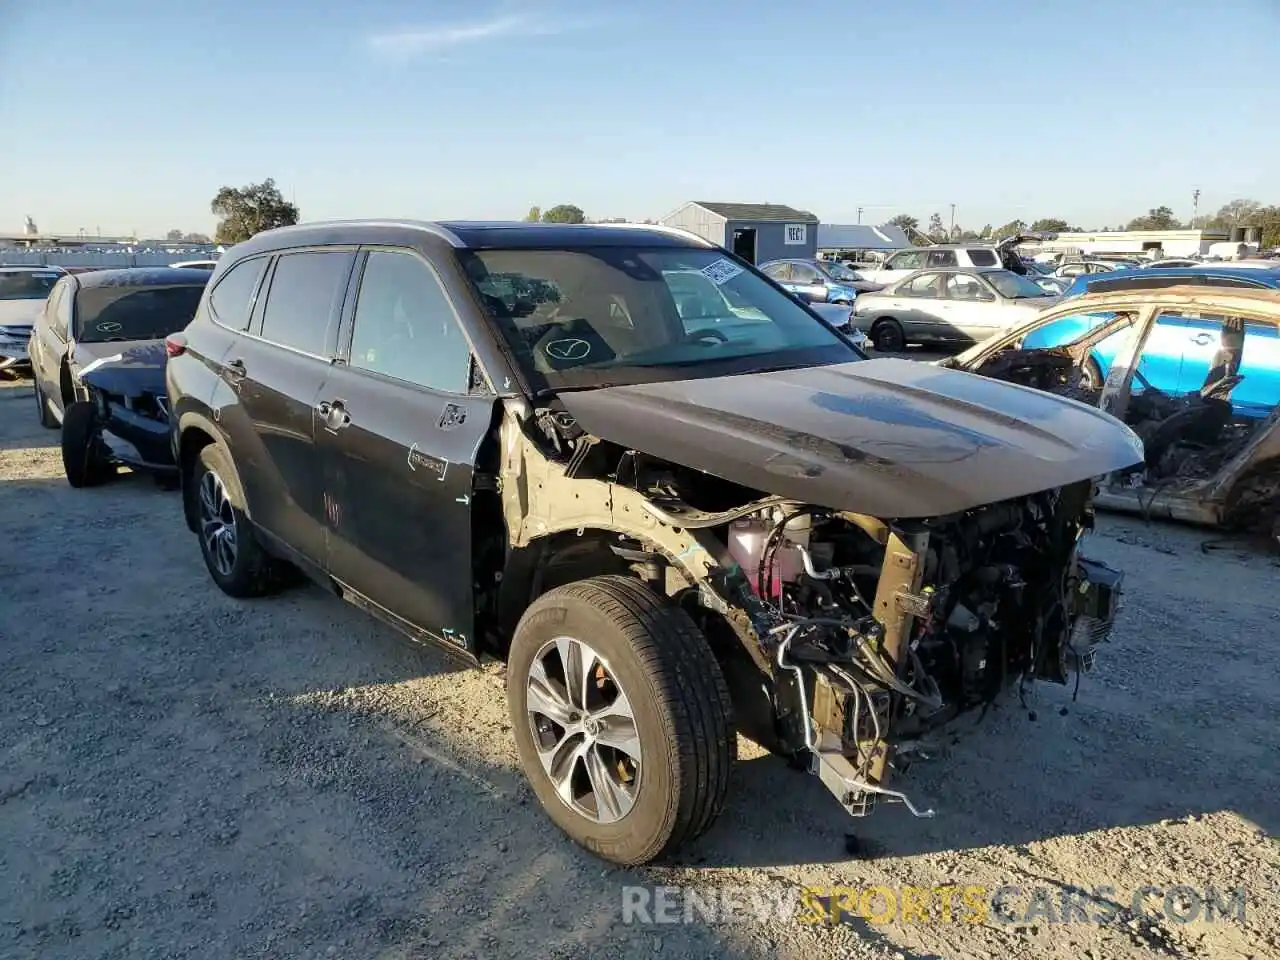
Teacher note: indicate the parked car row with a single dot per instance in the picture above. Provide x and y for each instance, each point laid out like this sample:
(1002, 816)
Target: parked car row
(676, 502)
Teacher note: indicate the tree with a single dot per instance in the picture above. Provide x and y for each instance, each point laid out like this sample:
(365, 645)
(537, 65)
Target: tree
(1049, 225)
(197, 238)
(905, 221)
(1157, 218)
(534, 215)
(1237, 213)
(1012, 228)
(175, 236)
(251, 209)
(936, 230)
(564, 213)
(985, 233)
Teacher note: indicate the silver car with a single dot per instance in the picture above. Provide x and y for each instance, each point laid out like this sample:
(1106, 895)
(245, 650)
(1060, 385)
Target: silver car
(949, 306)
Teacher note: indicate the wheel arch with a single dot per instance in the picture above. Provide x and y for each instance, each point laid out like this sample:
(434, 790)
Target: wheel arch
(195, 432)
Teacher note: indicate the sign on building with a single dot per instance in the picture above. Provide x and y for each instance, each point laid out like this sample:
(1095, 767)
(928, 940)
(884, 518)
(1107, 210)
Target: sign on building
(795, 234)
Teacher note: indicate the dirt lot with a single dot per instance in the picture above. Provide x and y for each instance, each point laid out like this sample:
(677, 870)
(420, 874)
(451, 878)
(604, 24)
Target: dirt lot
(186, 775)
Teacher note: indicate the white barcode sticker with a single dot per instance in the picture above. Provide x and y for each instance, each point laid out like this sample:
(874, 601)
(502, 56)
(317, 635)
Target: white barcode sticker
(722, 271)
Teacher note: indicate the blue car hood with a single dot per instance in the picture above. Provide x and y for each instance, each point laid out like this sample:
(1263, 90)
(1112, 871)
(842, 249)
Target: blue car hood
(130, 368)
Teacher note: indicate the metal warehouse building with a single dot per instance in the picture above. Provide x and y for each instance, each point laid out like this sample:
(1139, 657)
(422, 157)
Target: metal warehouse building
(757, 232)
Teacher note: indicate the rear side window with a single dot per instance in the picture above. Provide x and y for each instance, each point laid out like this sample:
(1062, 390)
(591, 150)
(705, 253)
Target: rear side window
(232, 299)
(942, 258)
(982, 258)
(405, 327)
(306, 289)
(778, 271)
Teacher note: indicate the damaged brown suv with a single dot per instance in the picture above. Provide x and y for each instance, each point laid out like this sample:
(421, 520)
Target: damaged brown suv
(675, 517)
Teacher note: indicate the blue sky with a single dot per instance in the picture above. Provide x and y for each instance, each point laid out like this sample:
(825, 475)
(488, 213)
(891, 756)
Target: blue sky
(130, 114)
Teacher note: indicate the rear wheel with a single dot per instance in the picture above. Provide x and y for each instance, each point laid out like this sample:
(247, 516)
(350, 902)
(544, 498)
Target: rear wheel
(235, 559)
(1091, 374)
(84, 457)
(886, 333)
(47, 419)
(622, 718)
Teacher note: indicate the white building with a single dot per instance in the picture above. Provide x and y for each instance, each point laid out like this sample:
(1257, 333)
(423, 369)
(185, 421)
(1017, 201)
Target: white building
(1151, 243)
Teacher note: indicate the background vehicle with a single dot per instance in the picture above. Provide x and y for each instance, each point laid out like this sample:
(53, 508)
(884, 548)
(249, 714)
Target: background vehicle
(946, 255)
(196, 265)
(511, 440)
(1080, 268)
(23, 291)
(1217, 275)
(1171, 262)
(91, 317)
(818, 281)
(948, 306)
(1194, 370)
(1054, 286)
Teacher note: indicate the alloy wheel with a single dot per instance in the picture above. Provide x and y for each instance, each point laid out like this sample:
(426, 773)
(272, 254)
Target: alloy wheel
(217, 523)
(584, 729)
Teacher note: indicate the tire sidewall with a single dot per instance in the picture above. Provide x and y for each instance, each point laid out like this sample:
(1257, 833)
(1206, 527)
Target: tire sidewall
(215, 458)
(650, 820)
(895, 332)
(82, 461)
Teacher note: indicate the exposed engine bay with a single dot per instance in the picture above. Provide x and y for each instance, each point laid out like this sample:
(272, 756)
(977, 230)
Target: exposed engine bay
(863, 636)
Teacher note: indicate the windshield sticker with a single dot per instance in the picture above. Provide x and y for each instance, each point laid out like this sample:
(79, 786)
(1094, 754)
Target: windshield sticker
(46, 276)
(109, 327)
(568, 349)
(721, 272)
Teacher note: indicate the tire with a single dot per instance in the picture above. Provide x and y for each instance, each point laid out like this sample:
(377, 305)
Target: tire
(235, 560)
(887, 336)
(1091, 378)
(47, 419)
(681, 714)
(84, 459)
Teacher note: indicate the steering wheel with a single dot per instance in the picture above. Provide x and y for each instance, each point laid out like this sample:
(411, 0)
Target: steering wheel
(693, 336)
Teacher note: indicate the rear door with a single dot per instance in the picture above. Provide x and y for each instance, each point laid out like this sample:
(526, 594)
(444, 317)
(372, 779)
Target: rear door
(276, 371)
(971, 307)
(399, 429)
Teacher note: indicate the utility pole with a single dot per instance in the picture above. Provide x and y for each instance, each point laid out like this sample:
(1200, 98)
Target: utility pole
(859, 214)
(953, 222)
(1195, 206)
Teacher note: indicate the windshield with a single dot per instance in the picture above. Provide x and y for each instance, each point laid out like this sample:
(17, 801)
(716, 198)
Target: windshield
(838, 271)
(596, 316)
(1014, 287)
(134, 313)
(27, 284)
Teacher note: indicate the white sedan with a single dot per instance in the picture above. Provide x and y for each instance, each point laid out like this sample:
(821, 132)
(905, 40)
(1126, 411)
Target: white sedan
(949, 306)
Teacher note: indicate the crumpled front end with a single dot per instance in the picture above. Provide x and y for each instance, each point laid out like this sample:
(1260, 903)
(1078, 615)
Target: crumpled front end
(884, 633)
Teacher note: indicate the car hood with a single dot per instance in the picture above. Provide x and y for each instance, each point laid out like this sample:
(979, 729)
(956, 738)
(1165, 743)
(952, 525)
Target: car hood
(19, 313)
(891, 438)
(130, 367)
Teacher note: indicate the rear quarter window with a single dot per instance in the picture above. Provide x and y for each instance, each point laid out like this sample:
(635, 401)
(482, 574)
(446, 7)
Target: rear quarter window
(231, 301)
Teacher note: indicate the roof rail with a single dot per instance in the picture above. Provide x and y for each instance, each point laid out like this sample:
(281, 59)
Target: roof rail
(661, 228)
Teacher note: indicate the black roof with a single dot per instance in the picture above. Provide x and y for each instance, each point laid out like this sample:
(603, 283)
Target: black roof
(757, 211)
(468, 234)
(143, 277)
(479, 235)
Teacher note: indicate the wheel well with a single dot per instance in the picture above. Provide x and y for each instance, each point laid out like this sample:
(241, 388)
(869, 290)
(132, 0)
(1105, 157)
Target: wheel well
(551, 562)
(192, 441)
(65, 386)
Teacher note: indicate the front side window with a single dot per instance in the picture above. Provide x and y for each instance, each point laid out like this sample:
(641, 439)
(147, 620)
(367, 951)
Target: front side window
(591, 316)
(306, 289)
(405, 327)
(965, 286)
(839, 272)
(123, 312)
(231, 301)
(27, 284)
(942, 258)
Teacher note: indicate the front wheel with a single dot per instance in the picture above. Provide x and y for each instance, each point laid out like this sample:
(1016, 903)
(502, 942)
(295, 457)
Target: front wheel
(887, 335)
(84, 458)
(622, 718)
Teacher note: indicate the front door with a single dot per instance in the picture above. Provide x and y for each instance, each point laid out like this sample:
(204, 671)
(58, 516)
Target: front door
(399, 434)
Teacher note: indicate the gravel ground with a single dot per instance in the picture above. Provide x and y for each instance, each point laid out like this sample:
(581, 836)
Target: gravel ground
(182, 774)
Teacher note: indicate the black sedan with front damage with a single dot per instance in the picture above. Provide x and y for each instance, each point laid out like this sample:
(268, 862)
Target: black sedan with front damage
(98, 357)
(673, 525)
